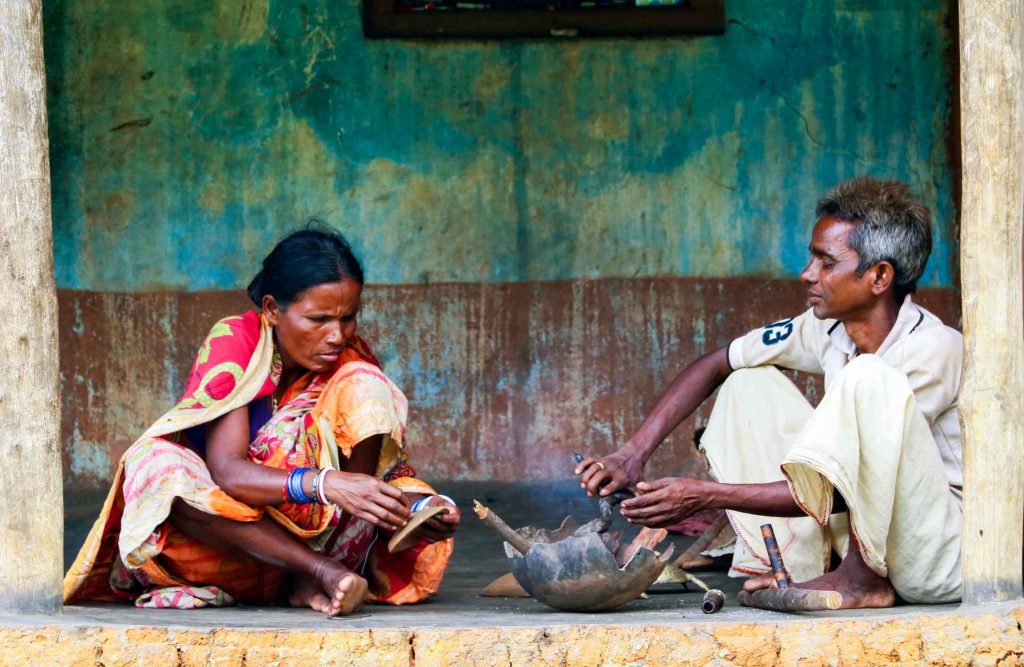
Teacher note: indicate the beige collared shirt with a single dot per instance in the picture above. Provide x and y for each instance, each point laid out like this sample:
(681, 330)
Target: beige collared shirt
(928, 352)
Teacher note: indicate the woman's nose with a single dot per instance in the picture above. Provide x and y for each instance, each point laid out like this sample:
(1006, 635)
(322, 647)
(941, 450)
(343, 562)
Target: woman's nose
(336, 335)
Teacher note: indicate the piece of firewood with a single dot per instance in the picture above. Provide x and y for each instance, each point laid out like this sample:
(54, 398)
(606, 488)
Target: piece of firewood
(718, 534)
(494, 522)
(505, 586)
(647, 537)
(791, 599)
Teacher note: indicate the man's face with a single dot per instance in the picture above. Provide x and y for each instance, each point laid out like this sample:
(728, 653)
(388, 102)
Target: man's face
(834, 289)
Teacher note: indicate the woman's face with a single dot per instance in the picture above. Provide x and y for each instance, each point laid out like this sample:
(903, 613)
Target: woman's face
(312, 331)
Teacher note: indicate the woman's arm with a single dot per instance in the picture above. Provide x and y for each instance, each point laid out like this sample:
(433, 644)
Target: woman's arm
(227, 457)
(624, 468)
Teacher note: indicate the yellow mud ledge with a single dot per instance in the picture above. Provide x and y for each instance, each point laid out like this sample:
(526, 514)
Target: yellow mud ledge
(980, 636)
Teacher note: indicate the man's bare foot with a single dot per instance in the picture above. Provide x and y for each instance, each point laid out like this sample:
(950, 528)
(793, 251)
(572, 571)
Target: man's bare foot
(859, 585)
(337, 591)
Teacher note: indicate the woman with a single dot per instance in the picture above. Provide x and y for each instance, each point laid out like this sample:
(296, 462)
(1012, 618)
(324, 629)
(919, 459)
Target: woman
(270, 478)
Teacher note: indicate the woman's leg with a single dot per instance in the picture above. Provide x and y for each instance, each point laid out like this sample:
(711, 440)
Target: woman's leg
(323, 584)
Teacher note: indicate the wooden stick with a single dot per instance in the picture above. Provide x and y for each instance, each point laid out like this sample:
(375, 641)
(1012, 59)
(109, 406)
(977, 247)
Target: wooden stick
(494, 522)
(708, 536)
(693, 556)
(647, 537)
(791, 599)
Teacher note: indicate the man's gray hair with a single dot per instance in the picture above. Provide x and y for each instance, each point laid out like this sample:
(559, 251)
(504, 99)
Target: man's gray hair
(889, 224)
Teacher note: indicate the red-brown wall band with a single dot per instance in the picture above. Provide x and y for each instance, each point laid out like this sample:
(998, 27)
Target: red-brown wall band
(505, 381)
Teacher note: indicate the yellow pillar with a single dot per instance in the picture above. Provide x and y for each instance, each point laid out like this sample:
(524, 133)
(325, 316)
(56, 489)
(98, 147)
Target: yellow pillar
(31, 503)
(991, 405)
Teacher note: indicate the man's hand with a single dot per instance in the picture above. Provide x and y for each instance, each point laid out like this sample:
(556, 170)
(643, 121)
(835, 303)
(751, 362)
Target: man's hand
(666, 501)
(605, 475)
(442, 526)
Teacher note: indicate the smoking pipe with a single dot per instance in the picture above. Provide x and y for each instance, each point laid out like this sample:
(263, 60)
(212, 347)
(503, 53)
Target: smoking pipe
(605, 504)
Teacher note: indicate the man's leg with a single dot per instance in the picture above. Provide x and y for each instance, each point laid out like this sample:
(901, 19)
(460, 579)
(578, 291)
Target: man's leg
(758, 414)
(868, 441)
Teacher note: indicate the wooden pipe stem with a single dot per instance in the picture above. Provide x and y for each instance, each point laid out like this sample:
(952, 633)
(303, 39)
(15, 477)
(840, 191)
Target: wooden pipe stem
(494, 522)
(791, 599)
(775, 557)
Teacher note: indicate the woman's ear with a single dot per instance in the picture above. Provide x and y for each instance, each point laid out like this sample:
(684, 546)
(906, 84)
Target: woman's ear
(270, 309)
(885, 275)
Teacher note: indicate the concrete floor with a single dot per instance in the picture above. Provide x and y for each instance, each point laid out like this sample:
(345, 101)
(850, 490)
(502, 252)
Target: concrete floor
(478, 559)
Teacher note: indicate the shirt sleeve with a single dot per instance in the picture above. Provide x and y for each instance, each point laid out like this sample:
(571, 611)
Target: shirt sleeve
(791, 343)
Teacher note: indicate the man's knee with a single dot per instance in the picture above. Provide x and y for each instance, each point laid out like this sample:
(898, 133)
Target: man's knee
(870, 370)
(750, 383)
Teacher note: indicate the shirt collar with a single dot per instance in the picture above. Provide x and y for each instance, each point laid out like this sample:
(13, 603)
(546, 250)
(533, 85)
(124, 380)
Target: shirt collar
(906, 321)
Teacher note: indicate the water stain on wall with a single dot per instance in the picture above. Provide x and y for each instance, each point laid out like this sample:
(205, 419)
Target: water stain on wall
(505, 381)
(509, 159)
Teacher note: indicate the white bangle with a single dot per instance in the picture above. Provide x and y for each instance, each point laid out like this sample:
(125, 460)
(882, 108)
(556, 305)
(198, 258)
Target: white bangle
(318, 484)
(422, 502)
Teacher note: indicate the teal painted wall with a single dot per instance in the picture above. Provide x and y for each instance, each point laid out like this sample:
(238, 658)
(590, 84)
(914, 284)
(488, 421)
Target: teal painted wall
(188, 136)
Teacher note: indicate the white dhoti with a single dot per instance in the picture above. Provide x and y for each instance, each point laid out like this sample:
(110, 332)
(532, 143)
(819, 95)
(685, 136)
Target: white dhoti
(868, 440)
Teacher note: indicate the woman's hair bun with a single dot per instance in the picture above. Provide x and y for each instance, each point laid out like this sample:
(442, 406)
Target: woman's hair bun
(311, 256)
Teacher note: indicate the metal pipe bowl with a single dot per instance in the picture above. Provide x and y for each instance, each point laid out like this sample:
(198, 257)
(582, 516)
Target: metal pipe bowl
(580, 572)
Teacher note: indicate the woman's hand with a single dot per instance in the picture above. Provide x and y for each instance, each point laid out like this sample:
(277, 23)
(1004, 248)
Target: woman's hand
(666, 501)
(620, 470)
(368, 498)
(442, 526)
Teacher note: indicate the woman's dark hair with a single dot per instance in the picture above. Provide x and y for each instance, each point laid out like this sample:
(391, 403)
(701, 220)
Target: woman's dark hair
(309, 257)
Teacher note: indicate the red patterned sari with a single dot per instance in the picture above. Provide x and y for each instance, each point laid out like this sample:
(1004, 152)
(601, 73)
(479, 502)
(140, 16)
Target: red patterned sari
(134, 553)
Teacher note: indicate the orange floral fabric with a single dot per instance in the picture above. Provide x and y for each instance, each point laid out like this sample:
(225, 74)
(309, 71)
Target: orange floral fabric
(133, 551)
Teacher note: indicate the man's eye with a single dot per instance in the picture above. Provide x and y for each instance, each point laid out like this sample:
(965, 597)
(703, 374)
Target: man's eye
(827, 265)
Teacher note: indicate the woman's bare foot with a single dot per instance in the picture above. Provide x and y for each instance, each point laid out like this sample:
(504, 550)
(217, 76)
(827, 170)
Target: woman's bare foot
(337, 591)
(859, 585)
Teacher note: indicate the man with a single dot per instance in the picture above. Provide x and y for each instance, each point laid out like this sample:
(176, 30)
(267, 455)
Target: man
(874, 472)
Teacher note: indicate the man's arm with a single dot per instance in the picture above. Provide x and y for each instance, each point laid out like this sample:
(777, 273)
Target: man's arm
(624, 468)
(667, 501)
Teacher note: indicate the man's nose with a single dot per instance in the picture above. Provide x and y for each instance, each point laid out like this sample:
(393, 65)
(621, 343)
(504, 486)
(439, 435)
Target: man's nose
(809, 275)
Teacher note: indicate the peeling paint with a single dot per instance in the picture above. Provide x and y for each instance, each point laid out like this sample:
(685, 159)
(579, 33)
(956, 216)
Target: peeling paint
(479, 161)
(504, 381)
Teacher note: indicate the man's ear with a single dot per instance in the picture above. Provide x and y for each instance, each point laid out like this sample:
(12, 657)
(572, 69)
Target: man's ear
(883, 277)
(270, 309)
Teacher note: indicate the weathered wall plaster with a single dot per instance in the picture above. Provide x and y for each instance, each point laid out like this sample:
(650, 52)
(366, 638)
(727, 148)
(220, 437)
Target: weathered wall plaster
(553, 227)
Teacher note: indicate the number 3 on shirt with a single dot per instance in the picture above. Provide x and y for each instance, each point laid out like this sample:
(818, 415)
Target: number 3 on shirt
(776, 332)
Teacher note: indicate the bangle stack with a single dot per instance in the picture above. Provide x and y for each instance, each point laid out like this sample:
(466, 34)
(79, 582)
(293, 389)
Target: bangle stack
(293, 490)
(318, 485)
(422, 502)
(294, 493)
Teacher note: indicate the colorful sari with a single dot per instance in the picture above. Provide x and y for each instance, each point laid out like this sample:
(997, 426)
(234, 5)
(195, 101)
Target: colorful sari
(134, 552)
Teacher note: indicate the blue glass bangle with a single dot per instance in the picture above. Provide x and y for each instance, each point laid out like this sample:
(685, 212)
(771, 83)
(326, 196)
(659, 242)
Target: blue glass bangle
(296, 494)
